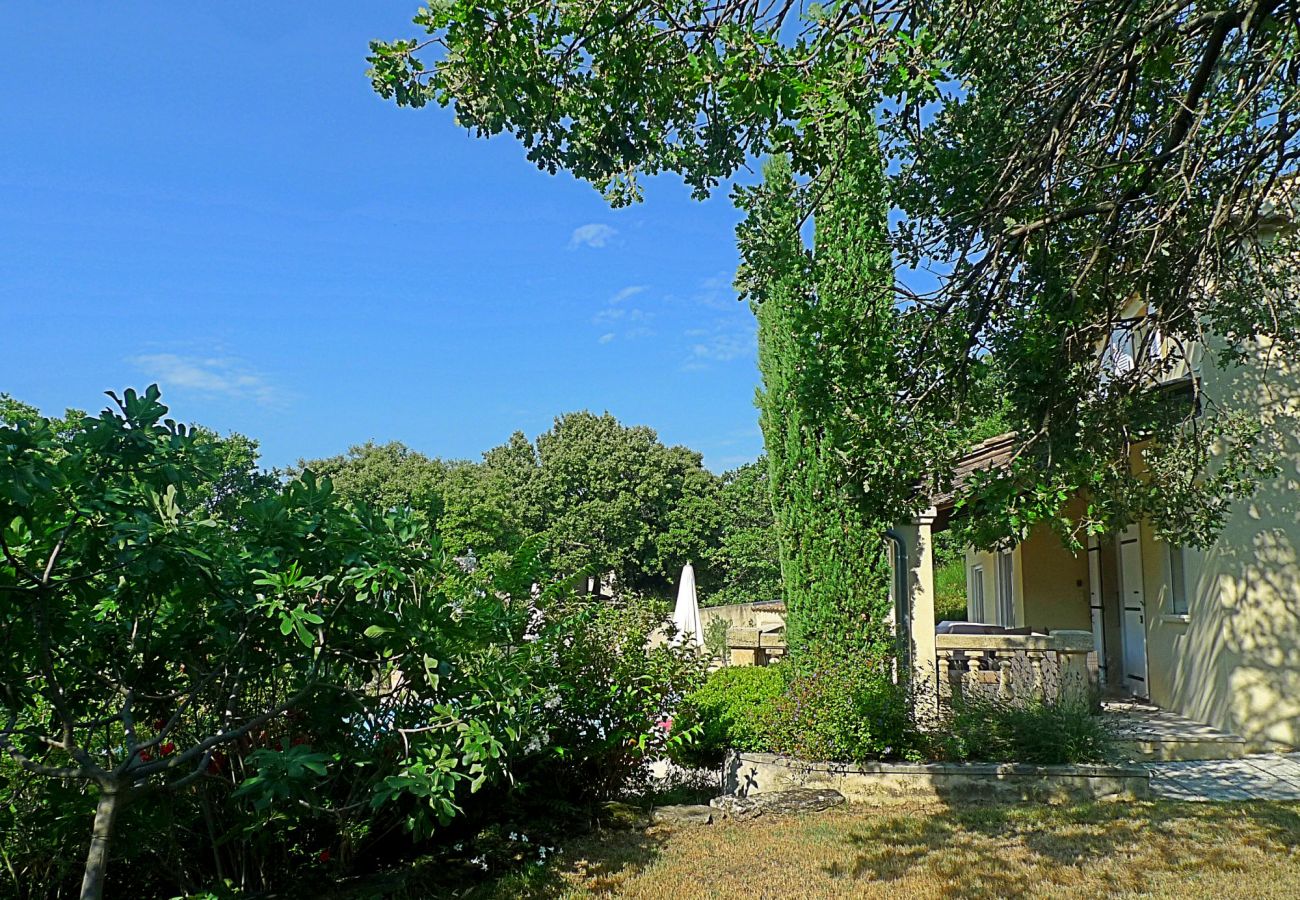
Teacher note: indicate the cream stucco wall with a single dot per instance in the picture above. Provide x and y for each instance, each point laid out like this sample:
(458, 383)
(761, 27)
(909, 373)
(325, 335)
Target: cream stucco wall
(740, 615)
(1054, 583)
(1234, 660)
(1049, 583)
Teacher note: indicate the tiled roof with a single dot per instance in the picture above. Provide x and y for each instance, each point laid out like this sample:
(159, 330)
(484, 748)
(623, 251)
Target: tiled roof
(991, 453)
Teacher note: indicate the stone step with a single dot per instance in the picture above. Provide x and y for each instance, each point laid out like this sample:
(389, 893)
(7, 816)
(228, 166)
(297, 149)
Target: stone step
(1142, 749)
(1147, 733)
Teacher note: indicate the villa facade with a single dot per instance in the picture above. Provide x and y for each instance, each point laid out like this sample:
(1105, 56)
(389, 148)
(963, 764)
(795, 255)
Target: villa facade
(1213, 635)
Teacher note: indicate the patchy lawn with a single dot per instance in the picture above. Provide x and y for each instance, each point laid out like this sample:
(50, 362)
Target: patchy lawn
(1157, 849)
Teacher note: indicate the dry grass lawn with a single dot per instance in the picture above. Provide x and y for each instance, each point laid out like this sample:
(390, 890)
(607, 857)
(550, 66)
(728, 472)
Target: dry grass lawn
(1148, 849)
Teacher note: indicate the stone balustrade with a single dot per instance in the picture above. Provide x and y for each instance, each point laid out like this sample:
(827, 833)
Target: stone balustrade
(1013, 666)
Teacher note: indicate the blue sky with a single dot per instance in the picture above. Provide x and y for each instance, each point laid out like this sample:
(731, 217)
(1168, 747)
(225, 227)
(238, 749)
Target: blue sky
(209, 196)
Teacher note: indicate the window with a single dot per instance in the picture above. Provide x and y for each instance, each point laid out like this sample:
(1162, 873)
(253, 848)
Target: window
(1006, 613)
(1119, 356)
(976, 593)
(1177, 581)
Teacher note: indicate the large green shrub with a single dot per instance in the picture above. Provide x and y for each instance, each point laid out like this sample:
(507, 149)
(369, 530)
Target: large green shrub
(845, 708)
(1044, 732)
(731, 710)
(286, 686)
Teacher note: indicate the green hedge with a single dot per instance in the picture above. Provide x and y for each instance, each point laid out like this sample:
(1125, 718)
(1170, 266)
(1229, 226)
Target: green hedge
(1066, 730)
(845, 708)
(730, 708)
(848, 709)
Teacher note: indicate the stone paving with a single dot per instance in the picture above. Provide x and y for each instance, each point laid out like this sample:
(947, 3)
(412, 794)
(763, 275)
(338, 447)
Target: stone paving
(1136, 720)
(1269, 776)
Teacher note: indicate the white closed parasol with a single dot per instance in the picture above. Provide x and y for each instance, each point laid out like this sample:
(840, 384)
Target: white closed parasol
(686, 615)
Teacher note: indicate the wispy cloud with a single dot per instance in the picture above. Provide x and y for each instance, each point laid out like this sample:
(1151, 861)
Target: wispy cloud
(718, 329)
(593, 234)
(723, 345)
(218, 376)
(716, 292)
(622, 320)
(724, 342)
(629, 292)
(727, 331)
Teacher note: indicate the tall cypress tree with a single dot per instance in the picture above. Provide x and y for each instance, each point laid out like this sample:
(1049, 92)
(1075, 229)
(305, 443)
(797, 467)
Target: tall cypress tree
(825, 325)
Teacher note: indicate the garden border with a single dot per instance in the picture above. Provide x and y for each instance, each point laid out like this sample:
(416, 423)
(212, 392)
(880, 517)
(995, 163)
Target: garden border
(745, 774)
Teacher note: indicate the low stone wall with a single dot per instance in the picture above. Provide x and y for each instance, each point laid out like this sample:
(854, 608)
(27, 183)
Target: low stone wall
(739, 615)
(745, 774)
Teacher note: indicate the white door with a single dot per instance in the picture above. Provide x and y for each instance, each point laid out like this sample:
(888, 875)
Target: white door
(1095, 606)
(1134, 611)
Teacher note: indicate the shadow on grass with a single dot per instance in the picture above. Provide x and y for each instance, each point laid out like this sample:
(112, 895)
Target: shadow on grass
(995, 849)
(601, 860)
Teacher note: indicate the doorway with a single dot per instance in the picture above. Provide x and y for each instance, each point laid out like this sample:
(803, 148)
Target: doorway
(1133, 612)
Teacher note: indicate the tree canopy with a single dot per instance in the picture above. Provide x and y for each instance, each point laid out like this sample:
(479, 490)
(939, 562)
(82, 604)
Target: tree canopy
(386, 476)
(1048, 163)
(745, 565)
(599, 496)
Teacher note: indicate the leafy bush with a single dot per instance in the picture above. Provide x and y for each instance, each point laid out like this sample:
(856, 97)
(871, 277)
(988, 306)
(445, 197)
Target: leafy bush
(608, 703)
(715, 638)
(845, 709)
(1065, 730)
(302, 687)
(730, 708)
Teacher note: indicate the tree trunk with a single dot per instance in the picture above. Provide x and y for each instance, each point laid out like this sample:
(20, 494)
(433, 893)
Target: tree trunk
(92, 883)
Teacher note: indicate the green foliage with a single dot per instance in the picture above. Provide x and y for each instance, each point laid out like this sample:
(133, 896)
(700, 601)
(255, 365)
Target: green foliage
(949, 578)
(610, 700)
(287, 774)
(386, 476)
(826, 325)
(1036, 199)
(137, 624)
(950, 591)
(39, 819)
(716, 635)
(617, 499)
(600, 496)
(283, 673)
(744, 566)
(731, 708)
(844, 710)
(1065, 730)
(495, 505)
